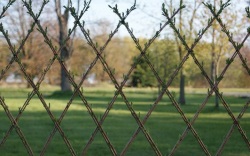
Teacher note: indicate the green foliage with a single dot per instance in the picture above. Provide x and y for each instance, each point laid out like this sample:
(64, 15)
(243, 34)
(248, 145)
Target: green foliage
(143, 76)
(163, 56)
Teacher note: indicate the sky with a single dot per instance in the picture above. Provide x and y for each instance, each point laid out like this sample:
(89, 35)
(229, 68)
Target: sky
(142, 24)
(145, 20)
(139, 19)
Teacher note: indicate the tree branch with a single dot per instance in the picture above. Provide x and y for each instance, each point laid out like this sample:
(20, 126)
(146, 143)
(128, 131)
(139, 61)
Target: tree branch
(58, 7)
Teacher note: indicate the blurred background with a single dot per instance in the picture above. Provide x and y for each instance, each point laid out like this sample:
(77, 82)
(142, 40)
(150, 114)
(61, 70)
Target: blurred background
(165, 53)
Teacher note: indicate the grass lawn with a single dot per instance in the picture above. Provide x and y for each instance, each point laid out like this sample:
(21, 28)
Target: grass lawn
(165, 125)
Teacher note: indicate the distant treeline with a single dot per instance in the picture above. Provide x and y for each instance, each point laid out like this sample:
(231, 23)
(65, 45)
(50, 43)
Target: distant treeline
(121, 54)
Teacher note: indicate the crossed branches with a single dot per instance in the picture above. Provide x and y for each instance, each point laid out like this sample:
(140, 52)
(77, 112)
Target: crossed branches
(119, 87)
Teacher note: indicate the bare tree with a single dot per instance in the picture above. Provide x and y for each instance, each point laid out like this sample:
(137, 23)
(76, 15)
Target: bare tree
(65, 53)
(185, 25)
(181, 51)
(66, 48)
(32, 52)
(182, 99)
(219, 44)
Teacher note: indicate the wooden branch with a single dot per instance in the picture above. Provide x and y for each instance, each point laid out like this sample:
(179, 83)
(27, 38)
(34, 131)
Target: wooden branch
(58, 8)
(191, 22)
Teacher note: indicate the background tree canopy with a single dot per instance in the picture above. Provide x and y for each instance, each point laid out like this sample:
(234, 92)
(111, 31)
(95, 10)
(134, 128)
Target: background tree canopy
(165, 55)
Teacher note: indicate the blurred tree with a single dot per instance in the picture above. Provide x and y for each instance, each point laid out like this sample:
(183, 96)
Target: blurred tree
(243, 78)
(142, 75)
(118, 54)
(81, 58)
(185, 25)
(219, 45)
(66, 51)
(162, 55)
(202, 53)
(4, 55)
(32, 53)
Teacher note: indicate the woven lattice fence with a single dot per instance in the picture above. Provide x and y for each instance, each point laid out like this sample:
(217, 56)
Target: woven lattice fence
(189, 53)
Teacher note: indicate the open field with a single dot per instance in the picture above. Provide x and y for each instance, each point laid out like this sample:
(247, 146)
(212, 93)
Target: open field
(165, 125)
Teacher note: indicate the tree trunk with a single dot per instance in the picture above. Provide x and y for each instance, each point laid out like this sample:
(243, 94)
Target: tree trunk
(65, 47)
(215, 81)
(65, 55)
(213, 65)
(65, 83)
(216, 101)
(213, 78)
(182, 100)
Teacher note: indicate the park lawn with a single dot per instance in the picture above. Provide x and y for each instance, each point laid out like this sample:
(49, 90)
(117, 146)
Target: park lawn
(165, 124)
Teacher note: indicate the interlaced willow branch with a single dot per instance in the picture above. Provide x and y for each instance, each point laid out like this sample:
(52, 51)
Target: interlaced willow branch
(17, 128)
(237, 47)
(171, 77)
(165, 88)
(75, 92)
(133, 67)
(5, 8)
(206, 100)
(27, 77)
(55, 52)
(244, 109)
(122, 84)
(119, 87)
(91, 66)
(26, 103)
(214, 86)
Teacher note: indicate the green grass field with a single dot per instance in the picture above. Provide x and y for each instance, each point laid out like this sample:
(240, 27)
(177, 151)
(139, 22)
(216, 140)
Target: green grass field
(165, 125)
